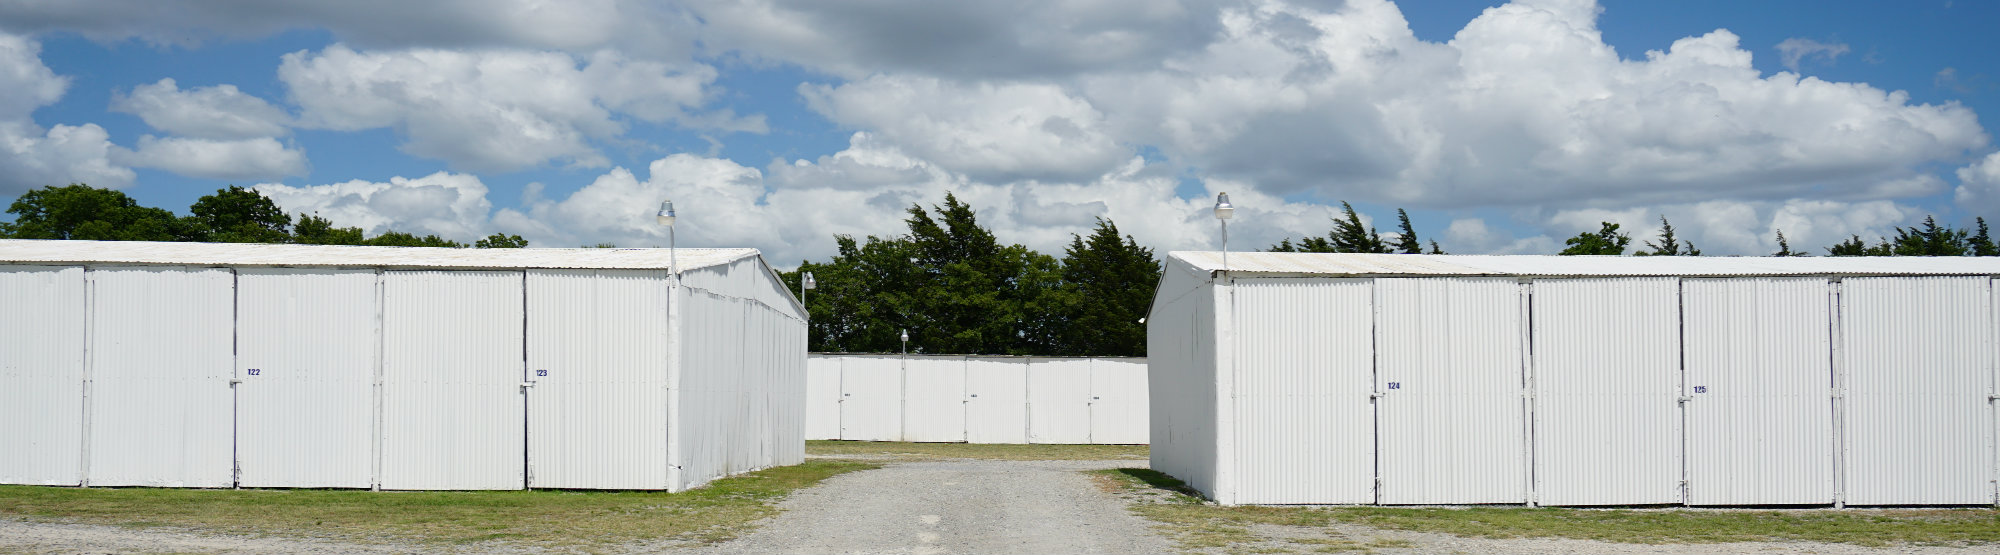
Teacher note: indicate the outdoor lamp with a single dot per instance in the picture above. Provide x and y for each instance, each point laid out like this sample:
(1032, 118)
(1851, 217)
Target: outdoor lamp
(1223, 211)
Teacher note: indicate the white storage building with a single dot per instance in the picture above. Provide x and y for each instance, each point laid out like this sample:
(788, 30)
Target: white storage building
(976, 399)
(1416, 379)
(218, 365)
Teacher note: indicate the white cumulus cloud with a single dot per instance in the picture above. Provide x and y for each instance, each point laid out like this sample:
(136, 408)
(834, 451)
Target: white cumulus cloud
(217, 112)
(1794, 50)
(32, 157)
(226, 159)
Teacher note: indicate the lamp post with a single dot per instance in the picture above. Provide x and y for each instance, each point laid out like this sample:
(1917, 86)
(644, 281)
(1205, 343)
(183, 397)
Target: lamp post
(666, 218)
(906, 342)
(1224, 211)
(806, 283)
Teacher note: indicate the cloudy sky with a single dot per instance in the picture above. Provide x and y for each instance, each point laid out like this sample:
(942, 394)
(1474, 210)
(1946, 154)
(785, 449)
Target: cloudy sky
(776, 124)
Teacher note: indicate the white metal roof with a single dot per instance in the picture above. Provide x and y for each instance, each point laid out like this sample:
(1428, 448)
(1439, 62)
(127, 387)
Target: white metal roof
(23, 251)
(1321, 264)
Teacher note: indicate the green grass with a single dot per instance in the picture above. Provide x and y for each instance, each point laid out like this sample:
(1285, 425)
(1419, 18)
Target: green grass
(892, 450)
(566, 519)
(1202, 526)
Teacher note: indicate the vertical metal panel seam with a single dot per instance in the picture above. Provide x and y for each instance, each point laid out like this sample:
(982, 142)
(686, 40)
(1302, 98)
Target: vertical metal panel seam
(1375, 385)
(380, 431)
(235, 381)
(527, 471)
(1680, 332)
(1224, 459)
(1838, 384)
(1527, 308)
(89, 362)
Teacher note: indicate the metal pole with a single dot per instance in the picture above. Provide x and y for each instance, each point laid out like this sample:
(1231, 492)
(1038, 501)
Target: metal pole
(673, 262)
(1225, 246)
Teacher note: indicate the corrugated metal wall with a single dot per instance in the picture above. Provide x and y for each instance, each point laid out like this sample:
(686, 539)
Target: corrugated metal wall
(1607, 380)
(1918, 358)
(743, 374)
(452, 406)
(1304, 424)
(1452, 408)
(597, 354)
(1181, 378)
(307, 345)
(822, 397)
(934, 400)
(871, 398)
(996, 400)
(1759, 378)
(1118, 401)
(1059, 400)
(160, 358)
(42, 312)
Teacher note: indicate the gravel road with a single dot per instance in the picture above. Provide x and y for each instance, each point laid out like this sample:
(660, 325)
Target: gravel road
(960, 506)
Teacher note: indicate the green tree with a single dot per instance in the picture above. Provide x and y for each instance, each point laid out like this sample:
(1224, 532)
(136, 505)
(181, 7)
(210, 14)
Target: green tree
(1606, 241)
(1981, 242)
(1113, 281)
(400, 239)
(1435, 249)
(1785, 249)
(1348, 235)
(1930, 240)
(314, 230)
(1669, 245)
(1406, 238)
(239, 215)
(501, 241)
(83, 212)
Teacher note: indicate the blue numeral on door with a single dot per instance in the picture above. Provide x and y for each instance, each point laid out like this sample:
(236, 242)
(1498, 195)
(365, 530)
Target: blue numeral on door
(1395, 385)
(254, 371)
(541, 372)
(1701, 389)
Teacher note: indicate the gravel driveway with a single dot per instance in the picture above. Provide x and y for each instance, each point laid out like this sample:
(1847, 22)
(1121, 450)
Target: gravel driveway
(960, 506)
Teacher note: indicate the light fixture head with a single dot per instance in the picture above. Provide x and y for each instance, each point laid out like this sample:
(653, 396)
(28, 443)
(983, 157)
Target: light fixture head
(906, 336)
(667, 213)
(1224, 210)
(809, 283)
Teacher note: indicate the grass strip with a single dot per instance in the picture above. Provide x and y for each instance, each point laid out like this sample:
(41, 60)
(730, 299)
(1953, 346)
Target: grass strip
(549, 518)
(895, 450)
(1202, 526)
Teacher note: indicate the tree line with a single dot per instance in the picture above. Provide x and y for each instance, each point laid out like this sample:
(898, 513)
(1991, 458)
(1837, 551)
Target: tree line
(232, 215)
(957, 289)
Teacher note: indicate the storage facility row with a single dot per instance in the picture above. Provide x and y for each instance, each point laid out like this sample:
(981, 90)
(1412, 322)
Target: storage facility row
(1350, 379)
(976, 399)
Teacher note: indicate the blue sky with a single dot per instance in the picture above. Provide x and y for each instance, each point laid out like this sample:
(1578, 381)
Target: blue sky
(778, 124)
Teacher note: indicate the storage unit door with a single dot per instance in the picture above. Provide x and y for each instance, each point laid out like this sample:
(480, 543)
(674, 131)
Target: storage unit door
(1759, 372)
(41, 364)
(1117, 401)
(597, 356)
(306, 343)
(160, 365)
(1918, 423)
(871, 399)
(822, 398)
(1607, 376)
(934, 410)
(451, 380)
(1304, 425)
(996, 401)
(1451, 412)
(1059, 400)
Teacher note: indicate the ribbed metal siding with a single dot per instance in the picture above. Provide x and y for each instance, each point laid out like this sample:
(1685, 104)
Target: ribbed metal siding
(452, 369)
(1117, 401)
(1304, 423)
(1059, 400)
(934, 399)
(306, 416)
(597, 354)
(1759, 376)
(743, 378)
(822, 397)
(996, 400)
(1180, 383)
(1918, 361)
(1607, 378)
(41, 363)
(1449, 369)
(159, 361)
(871, 398)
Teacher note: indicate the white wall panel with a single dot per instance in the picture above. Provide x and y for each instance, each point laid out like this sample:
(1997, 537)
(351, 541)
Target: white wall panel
(160, 362)
(743, 379)
(934, 401)
(1118, 401)
(42, 313)
(307, 345)
(1919, 366)
(871, 398)
(1180, 382)
(452, 370)
(996, 400)
(1304, 423)
(1450, 375)
(597, 354)
(822, 397)
(1607, 379)
(1759, 377)
(1059, 400)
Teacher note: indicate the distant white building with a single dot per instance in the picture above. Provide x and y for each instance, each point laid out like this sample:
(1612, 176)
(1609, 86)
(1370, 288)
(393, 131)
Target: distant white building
(1415, 379)
(976, 398)
(219, 365)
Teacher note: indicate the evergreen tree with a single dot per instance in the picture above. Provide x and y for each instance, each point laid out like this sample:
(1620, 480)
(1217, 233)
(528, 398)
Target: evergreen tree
(1112, 282)
(1785, 249)
(1668, 245)
(1853, 246)
(1981, 242)
(1606, 241)
(1930, 240)
(1406, 240)
(1435, 249)
(314, 230)
(1350, 235)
